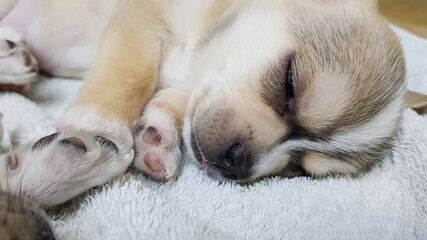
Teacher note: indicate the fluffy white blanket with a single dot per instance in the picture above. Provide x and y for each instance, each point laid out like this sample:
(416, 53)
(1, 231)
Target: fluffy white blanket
(388, 203)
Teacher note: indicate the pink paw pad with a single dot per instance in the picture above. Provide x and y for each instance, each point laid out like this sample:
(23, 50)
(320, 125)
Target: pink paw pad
(157, 144)
(152, 136)
(152, 160)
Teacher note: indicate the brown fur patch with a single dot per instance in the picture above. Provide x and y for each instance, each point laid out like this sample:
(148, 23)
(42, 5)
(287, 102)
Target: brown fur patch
(366, 57)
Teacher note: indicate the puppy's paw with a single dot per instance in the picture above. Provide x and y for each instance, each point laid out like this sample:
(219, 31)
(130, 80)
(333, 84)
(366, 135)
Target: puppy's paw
(60, 166)
(157, 144)
(93, 120)
(18, 68)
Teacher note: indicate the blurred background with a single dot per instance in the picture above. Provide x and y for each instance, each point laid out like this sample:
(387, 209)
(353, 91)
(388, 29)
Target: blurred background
(408, 14)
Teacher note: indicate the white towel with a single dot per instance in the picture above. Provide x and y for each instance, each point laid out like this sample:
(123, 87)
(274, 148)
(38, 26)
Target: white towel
(390, 202)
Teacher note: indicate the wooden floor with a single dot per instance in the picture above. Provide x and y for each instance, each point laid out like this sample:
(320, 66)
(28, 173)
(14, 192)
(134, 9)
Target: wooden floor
(412, 16)
(408, 14)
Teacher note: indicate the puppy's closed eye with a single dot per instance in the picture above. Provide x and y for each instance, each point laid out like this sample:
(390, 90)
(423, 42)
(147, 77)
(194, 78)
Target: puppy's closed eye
(278, 86)
(289, 84)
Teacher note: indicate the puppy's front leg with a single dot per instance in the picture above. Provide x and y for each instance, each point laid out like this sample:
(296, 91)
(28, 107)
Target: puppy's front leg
(121, 81)
(96, 142)
(158, 135)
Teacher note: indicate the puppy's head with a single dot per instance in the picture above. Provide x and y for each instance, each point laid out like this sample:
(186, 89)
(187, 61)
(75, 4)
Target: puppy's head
(296, 88)
(60, 166)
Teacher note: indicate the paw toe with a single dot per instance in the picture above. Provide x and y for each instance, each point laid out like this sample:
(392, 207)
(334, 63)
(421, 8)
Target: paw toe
(153, 162)
(152, 136)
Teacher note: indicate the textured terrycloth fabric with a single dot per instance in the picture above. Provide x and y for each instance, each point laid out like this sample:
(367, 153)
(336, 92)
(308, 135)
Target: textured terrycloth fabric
(390, 202)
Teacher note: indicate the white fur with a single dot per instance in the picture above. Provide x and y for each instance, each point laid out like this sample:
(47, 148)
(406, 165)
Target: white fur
(17, 111)
(176, 66)
(186, 136)
(240, 55)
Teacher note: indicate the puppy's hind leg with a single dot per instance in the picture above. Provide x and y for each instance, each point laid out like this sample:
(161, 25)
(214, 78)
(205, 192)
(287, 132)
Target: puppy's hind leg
(158, 135)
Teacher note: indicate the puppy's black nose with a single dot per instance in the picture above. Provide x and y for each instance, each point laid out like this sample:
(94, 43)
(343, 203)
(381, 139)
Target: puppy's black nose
(233, 162)
(235, 155)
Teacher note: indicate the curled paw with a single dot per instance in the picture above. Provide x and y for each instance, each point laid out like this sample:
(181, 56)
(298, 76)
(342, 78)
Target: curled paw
(157, 145)
(60, 166)
(18, 68)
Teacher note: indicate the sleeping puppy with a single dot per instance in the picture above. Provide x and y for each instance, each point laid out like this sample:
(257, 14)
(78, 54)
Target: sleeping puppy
(254, 88)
